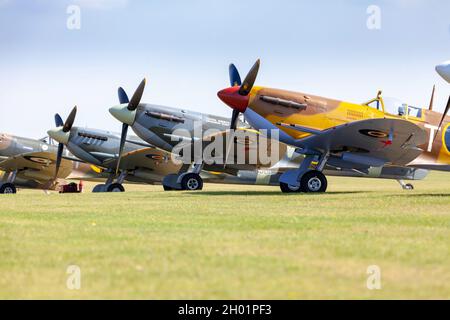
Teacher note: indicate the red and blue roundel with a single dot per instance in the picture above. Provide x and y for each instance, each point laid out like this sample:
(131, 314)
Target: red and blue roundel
(447, 138)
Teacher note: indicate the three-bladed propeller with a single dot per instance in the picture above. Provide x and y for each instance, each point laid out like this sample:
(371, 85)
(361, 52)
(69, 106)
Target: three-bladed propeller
(238, 95)
(126, 114)
(61, 134)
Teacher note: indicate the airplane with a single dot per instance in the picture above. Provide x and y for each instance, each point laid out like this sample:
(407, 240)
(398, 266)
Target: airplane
(31, 163)
(328, 131)
(140, 163)
(157, 125)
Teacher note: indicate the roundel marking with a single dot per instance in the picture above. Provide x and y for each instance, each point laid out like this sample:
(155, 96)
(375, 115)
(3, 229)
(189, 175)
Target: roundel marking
(374, 133)
(446, 138)
(39, 160)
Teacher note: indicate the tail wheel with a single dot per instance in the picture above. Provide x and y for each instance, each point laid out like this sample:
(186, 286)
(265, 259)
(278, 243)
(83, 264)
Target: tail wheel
(115, 187)
(286, 188)
(8, 188)
(314, 182)
(192, 182)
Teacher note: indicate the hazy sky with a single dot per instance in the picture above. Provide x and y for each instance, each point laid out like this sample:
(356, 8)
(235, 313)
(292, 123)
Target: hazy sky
(184, 48)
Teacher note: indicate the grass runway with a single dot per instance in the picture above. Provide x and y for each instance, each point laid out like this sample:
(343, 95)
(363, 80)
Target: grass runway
(230, 242)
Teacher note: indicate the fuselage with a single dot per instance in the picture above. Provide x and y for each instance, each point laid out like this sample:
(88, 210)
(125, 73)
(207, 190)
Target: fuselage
(11, 145)
(163, 126)
(268, 107)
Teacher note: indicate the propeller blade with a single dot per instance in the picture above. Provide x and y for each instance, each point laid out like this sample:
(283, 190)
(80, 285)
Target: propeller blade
(234, 119)
(249, 80)
(123, 138)
(123, 97)
(443, 118)
(136, 98)
(235, 78)
(70, 120)
(58, 121)
(430, 107)
(58, 159)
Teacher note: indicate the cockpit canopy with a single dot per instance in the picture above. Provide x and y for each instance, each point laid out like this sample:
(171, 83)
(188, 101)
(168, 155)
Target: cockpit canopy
(394, 106)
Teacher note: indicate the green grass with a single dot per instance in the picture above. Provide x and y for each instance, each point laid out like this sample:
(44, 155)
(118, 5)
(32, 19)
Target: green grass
(243, 242)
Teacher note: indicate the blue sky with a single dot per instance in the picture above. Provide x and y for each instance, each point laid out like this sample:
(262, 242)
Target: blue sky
(184, 48)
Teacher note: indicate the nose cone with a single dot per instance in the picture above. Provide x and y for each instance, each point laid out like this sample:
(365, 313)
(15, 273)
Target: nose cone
(444, 70)
(59, 135)
(121, 113)
(233, 99)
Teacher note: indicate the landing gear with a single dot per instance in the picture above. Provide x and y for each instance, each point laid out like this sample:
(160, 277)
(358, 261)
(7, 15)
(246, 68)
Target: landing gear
(192, 182)
(313, 182)
(8, 188)
(110, 185)
(188, 178)
(305, 179)
(7, 183)
(115, 187)
(406, 186)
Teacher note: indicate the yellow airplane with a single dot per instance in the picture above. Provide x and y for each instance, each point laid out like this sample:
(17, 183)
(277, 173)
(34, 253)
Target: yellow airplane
(340, 134)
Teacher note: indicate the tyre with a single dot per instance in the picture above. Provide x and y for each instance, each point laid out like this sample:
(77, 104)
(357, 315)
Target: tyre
(99, 188)
(115, 187)
(8, 188)
(286, 188)
(192, 182)
(314, 182)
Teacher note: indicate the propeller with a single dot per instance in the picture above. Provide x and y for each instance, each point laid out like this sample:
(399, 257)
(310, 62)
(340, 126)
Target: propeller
(58, 121)
(447, 108)
(430, 107)
(66, 126)
(237, 96)
(132, 106)
(235, 78)
(123, 97)
(250, 79)
(70, 120)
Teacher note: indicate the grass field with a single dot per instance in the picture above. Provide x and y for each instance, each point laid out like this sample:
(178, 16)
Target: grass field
(243, 242)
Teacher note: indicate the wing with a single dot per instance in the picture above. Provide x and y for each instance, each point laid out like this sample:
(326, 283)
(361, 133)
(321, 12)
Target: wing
(37, 166)
(377, 141)
(147, 158)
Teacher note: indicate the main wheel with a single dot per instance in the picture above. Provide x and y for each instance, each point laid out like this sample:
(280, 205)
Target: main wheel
(192, 182)
(286, 188)
(314, 182)
(8, 188)
(115, 187)
(99, 188)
